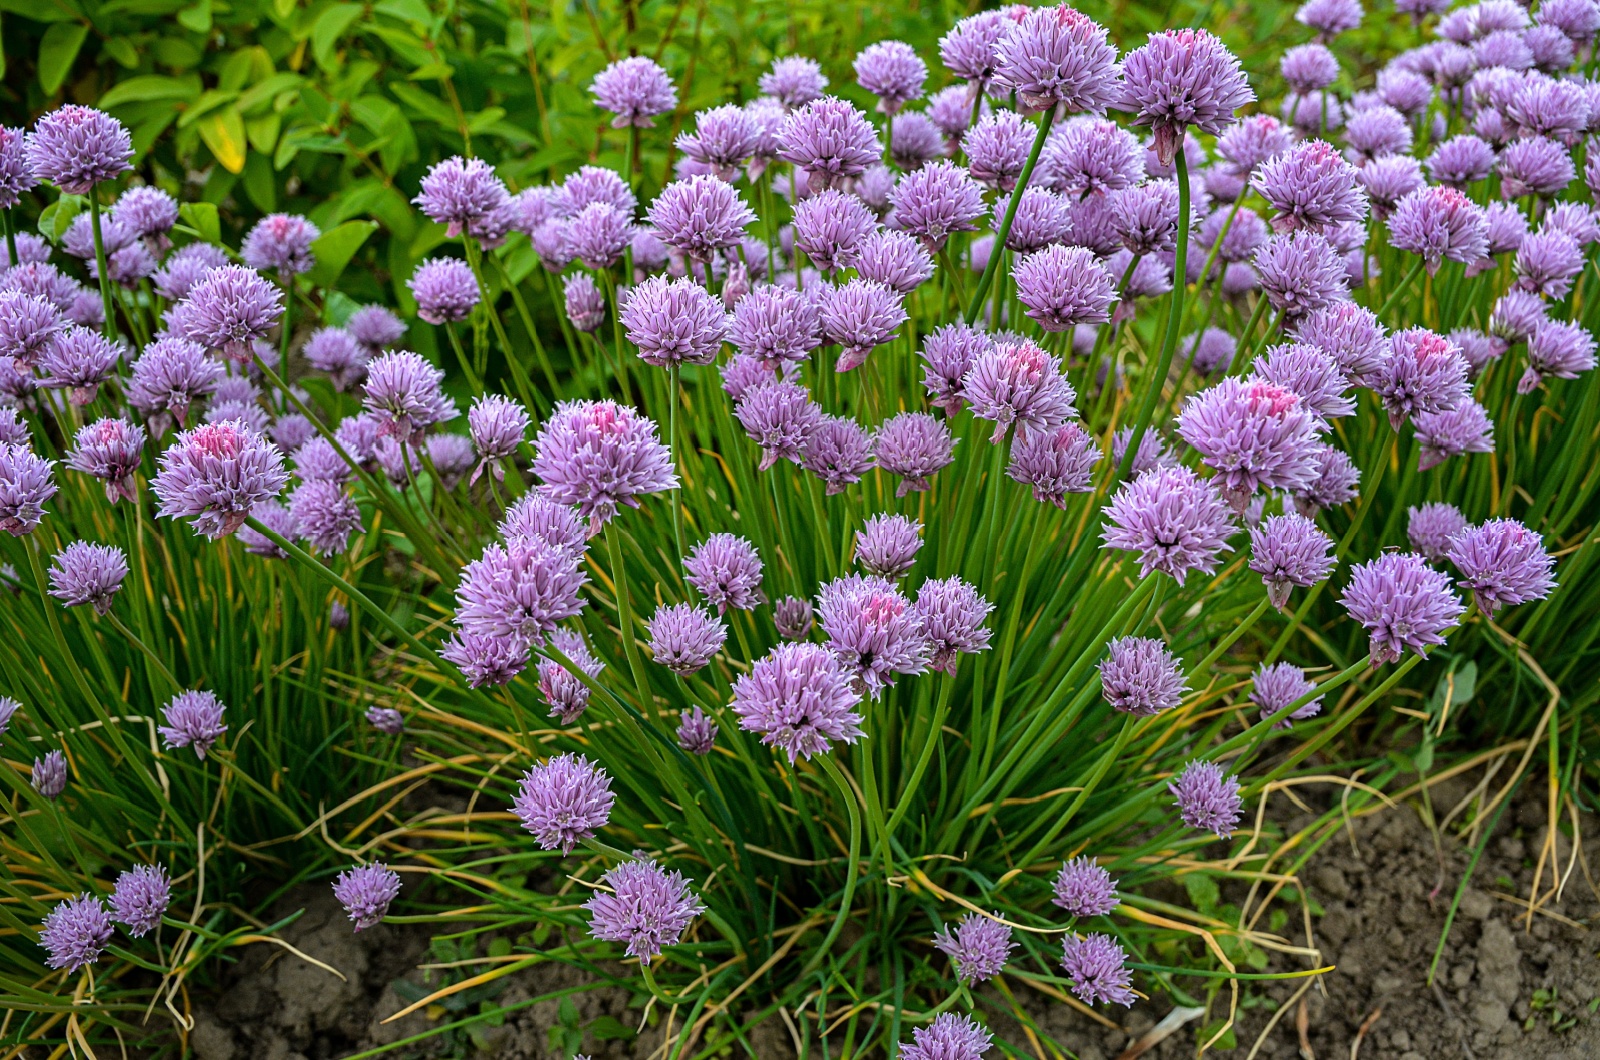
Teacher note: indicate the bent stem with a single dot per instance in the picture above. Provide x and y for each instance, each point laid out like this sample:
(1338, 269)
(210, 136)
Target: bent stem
(847, 793)
(976, 305)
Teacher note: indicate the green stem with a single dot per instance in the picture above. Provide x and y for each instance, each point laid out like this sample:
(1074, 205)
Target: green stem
(619, 581)
(11, 235)
(847, 793)
(110, 326)
(976, 305)
(146, 649)
(1400, 288)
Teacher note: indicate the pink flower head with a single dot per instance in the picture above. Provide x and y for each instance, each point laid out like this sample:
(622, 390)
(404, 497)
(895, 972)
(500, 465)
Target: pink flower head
(215, 475)
(1058, 56)
(596, 455)
(1181, 79)
(1256, 435)
(1018, 382)
(1176, 521)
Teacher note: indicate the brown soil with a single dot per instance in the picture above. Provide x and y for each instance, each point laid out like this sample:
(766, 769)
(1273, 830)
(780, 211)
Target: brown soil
(1379, 926)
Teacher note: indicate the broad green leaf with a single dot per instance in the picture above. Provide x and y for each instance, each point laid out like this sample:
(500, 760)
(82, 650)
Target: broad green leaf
(176, 53)
(208, 102)
(58, 49)
(121, 50)
(334, 249)
(402, 42)
(260, 183)
(144, 133)
(197, 17)
(202, 217)
(406, 10)
(39, 12)
(430, 107)
(55, 219)
(264, 92)
(283, 8)
(263, 132)
(330, 26)
(485, 118)
(149, 87)
(223, 132)
(435, 71)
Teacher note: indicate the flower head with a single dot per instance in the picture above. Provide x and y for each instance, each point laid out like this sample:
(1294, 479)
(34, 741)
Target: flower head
(75, 931)
(78, 359)
(403, 393)
(1557, 349)
(913, 446)
(674, 322)
(563, 801)
(1301, 272)
(1278, 685)
(1055, 462)
(386, 720)
(141, 897)
(193, 719)
(873, 631)
(1083, 887)
(1310, 187)
(830, 226)
(25, 486)
(1057, 56)
(1348, 333)
(979, 948)
(726, 570)
(697, 733)
(1424, 372)
(1463, 429)
(324, 516)
(937, 200)
(1389, 179)
(1181, 79)
(1534, 166)
(16, 175)
(860, 316)
(1430, 528)
(683, 638)
(948, 353)
(1438, 224)
(76, 148)
(1501, 562)
(1256, 435)
(1289, 550)
(1141, 676)
(775, 325)
(498, 425)
(445, 290)
(635, 89)
(1403, 603)
(700, 216)
(948, 1037)
(1018, 382)
(1312, 375)
(1090, 155)
(338, 353)
(595, 455)
(229, 308)
(644, 906)
(563, 689)
(487, 658)
(1329, 17)
(85, 573)
(1176, 521)
(214, 474)
(838, 452)
(892, 71)
(1097, 969)
(524, 588)
(366, 892)
(781, 418)
(375, 327)
(1208, 798)
(170, 376)
(281, 241)
(793, 80)
(28, 324)
(50, 775)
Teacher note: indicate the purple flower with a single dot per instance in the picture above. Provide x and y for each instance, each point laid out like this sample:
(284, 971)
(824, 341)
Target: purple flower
(275, 517)
(967, 50)
(859, 316)
(1084, 888)
(887, 545)
(1278, 685)
(375, 327)
(523, 588)
(1252, 141)
(913, 446)
(792, 617)
(324, 515)
(563, 689)
(979, 948)
(1017, 382)
(1054, 462)
(1176, 522)
(1389, 179)
(536, 516)
(366, 892)
(1558, 349)
(465, 195)
(1424, 372)
(838, 451)
(1461, 160)
(697, 733)
(596, 455)
(1211, 351)
(486, 658)
(16, 176)
(1312, 375)
(1087, 155)
(1152, 451)
(193, 719)
(1057, 56)
(1310, 187)
(644, 906)
(1208, 798)
(1430, 528)
(723, 138)
(699, 216)
(215, 474)
(403, 394)
(1535, 166)
(1301, 272)
(635, 89)
(781, 418)
(85, 573)
(31, 249)
(563, 801)
(950, 109)
(1376, 132)
(873, 631)
(1464, 429)
(13, 431)
(78, 359)
(76, 148)
(1335, 483)
(1576, 219)
(282, 241)
(895, 260)
(598, 234)
(952, 613)
(1061, 287)
(1289, 550)
(1548, 261)
(674, 322)
(180, 272)
(776, 326)
(24, 488)
(726, 570)
(948, 1037)
(1141, 676)
(171, 375)
(1146, 217)
(830, 140)
(338, 353)
(50, 775)
(1501, 562)
(891, 71)
(1516, 315)
(935, 201)
(1308, 67)
(28, 323)
(829, 228)
(583, 301)
(1438, 224)
(386, 720)
(1097, 969)
(140, 898)
(1181, 79)
(1042, 218)
(1255, 434)
(498, 426)
(743, 374)
(683, 638)
(148, 213)
(949, 352)
(793, 80)
(1348, 333)
(228, 309)
(445, 290)
(76, 931)
(1402, 602)
(997, 148)
(1329, 17)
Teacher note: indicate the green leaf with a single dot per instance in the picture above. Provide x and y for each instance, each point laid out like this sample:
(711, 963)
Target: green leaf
(609, 1028)
(485, 118)
(260, 183)
(202, 217)
(149, 87)
(55, 219)
(1203, 891)
(223, 132)
(429, 107)
(122, 51)
(263, 132)
(330, 26)
(268, 90)
(58, 49)
(197, 17)
(406, 11)
(208, 102)
(334, 249)
(37, 12)
(435, 71)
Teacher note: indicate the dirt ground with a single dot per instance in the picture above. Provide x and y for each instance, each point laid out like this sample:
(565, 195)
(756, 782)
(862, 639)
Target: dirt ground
(1504, 992)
